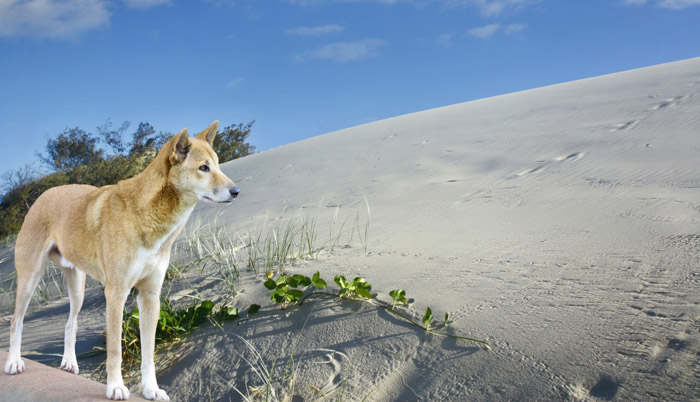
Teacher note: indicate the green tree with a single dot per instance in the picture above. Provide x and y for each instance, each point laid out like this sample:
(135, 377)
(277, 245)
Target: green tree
(15, 204)
(231, 143)
(113, 138)
(109, 171)
(72, 148)
(145, 140)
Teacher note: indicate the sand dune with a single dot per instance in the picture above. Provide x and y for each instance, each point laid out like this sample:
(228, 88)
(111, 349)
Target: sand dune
(561, 224)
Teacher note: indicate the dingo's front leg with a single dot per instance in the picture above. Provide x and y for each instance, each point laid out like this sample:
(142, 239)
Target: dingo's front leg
(115, 297)
(149, 310)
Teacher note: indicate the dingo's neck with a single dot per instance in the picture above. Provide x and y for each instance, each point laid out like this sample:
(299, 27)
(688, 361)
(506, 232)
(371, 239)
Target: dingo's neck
(159, 204)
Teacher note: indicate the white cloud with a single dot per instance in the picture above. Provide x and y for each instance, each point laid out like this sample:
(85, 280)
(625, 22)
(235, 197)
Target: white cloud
(315, 31)
(485, 31)
(490, 8)
(345, 52)
(514, 28)
(672, 4)
(57, 19)
(678, 4)
(488, 31)
(146, 3)
(487, 8)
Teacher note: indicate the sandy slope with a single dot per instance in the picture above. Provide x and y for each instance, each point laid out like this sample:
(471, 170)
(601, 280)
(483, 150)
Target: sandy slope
(561, 224)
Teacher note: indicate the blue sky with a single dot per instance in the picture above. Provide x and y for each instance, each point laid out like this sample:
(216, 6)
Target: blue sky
(301, 68)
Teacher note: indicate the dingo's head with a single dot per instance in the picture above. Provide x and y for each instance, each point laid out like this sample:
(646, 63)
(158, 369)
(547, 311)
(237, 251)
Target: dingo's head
(194, 167)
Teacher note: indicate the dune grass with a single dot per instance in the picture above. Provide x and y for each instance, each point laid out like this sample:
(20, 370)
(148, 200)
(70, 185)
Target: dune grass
(266, 249)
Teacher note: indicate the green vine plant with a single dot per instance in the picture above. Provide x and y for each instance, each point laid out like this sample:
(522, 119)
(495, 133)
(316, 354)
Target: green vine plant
(173, 325)
(294, 290)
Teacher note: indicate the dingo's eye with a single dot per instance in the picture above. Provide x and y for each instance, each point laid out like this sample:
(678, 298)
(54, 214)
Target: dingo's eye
(204, 168)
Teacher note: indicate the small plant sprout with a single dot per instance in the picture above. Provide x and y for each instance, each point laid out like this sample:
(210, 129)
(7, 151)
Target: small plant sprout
(427, 318)
(447, 320)
(355, 289)
(317, 281)
(284, 289)
(398, 296)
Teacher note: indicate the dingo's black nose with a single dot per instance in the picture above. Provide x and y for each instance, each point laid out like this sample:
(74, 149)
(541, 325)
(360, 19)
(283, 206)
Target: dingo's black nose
(234, 191)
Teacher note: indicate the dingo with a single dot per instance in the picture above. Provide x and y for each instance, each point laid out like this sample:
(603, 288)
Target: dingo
(121, 235)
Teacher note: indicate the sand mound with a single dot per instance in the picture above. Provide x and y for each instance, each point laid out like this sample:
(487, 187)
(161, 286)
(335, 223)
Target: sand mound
(561, 224)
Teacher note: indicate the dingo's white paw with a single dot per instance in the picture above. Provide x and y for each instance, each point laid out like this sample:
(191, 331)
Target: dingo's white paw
(117, 392)
(14, 366)
(70, 366)
(155, 394)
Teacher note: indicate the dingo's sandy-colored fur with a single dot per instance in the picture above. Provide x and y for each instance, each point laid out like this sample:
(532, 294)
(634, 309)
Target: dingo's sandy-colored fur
(120, 235)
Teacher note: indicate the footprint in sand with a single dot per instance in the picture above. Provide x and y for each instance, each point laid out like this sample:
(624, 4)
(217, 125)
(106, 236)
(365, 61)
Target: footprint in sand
(605, 389)
(670, 102)
(331, 363)
(625, 126)
(545, 164)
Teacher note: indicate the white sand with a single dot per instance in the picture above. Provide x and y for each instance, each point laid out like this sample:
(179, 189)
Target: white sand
(561, 224)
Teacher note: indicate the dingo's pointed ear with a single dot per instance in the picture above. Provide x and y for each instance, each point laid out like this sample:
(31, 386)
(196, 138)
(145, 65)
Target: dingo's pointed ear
(209, 133)
(181, 147)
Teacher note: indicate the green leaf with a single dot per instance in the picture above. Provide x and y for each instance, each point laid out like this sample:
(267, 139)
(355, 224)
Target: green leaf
(281, 281)
(228, 313)
(447, 318)
(301, 280)
(292, 282)
(427, 317)
(254, 308)
(294, 295)
(397, 294)
(270, 284)
(208, 305)
(278, 295)
(364, 293)
(305, 281)
(341, 281)
(360, 283)
(317, 281)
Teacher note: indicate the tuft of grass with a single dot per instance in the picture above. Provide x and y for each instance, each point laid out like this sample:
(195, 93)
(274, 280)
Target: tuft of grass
(50, 286)
(173, 325)
(7, 288)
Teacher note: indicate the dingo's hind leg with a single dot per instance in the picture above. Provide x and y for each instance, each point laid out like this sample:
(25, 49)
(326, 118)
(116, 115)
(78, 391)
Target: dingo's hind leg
(75, 279)
(30, 262)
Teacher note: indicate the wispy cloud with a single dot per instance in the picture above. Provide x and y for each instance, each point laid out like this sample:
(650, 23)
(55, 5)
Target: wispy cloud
(315, 31)
(514, 28)
(677, 4)
(146, 3)
(490, 30)
(58, 19)
(487, 8)
(484, 32)
(444, 41)
(235, 83)
(345, 52)
(490, 8)
(671, 4)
